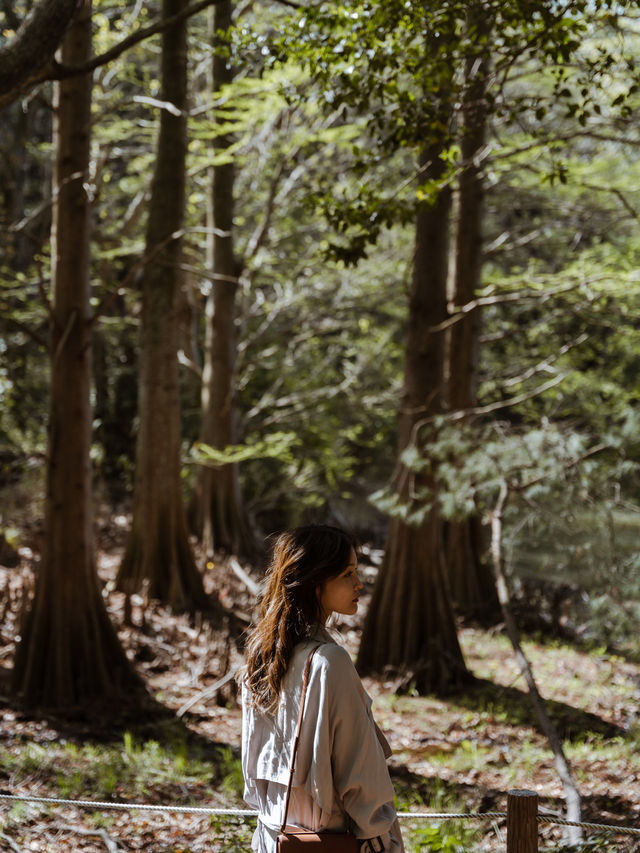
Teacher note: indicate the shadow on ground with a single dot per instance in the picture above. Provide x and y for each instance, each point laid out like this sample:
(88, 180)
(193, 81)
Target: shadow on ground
(483, 695)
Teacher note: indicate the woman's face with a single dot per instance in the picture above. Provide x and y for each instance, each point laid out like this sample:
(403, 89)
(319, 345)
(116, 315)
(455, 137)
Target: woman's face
(341, 593)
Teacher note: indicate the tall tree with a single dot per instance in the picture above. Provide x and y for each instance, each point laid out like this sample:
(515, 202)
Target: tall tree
(218, 508)
(409, 92)
(69, 651)
(158, 551)
(470, 576)
(411, 592)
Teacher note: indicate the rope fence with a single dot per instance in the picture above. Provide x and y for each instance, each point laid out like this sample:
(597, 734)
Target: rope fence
(522, 815)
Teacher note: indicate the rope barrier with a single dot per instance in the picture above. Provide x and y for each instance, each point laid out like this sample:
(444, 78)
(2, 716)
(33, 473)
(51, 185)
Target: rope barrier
(250, 813)
(608, 827)
(98, 806)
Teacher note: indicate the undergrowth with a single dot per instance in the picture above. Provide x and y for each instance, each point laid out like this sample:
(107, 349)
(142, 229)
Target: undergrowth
(107, 771)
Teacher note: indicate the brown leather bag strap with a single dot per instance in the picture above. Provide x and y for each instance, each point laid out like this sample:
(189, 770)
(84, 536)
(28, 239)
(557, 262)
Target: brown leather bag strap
(305, 682)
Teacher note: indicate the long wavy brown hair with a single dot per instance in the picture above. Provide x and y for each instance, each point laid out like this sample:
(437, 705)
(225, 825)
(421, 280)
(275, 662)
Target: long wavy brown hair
(302, 559)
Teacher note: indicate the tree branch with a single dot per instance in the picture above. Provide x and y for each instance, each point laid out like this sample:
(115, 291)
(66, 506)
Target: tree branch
(546, 363)
(28, 59)
(137, 266)
(31, 333)
(12, 844)
(538, 703)
(518, 296)
(573, 463)
(110, 843)
(33, 46)
(60, 72)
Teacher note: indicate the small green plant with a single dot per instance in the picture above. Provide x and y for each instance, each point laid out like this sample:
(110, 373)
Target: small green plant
(449, 836)
(231, 835)
(230, 769)
(71, 784)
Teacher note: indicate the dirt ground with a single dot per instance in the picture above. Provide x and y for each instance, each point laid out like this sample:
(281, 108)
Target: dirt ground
(459, 753)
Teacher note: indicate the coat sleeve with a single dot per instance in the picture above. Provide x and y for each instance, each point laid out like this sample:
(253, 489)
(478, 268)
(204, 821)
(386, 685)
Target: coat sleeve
(359, 769)
(249, 794)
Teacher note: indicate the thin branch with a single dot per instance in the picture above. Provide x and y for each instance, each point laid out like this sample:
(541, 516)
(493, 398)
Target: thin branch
(617, 193)
(461, 414)
(483, 301)
(57, 71)
(520, 487)
(43, 293)
(110, 843)
(512, 401)
(545, 142)
(12, 844)
(161, 105)
(207, 275)
(501, 242)
(139, 264)
(29, 332)
(30, 217)
(65, 335)
(208, 692)
(258, 237)
(190, 364)
(253, 587)
(546, 364)
(538, 703)
(32, 48)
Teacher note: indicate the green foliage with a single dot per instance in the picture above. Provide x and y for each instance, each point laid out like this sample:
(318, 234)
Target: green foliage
(329, 107)
(233, 834)
(449, 836)
(396, 69)
(230, 771)
(277, 445)
(133, 769)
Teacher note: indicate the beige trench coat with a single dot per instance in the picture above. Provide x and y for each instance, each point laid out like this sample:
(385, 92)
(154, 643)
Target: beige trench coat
(341, 777)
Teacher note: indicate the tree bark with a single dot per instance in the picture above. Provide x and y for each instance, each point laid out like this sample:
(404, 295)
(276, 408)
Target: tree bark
(32, 48)
(218, 509)
(69, 651)
(410, 628)
(158, 554)
(470, 577)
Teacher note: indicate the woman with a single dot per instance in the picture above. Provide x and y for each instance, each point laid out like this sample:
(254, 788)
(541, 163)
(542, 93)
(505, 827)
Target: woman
(341, 779)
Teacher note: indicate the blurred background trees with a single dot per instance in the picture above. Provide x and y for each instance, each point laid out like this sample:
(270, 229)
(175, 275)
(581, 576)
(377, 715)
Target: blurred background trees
(401, 258)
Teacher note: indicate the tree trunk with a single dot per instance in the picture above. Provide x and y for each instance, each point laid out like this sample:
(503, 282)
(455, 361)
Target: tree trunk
(410, 628)
(218, 509)
(69, 651)
(470, 577)
(158, 552)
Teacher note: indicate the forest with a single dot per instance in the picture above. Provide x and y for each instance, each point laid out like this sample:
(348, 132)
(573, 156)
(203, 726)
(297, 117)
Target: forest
(375, 265)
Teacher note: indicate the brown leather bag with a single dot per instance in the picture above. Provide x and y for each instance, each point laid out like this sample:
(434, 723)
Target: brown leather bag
(292, 838)
(328, 842)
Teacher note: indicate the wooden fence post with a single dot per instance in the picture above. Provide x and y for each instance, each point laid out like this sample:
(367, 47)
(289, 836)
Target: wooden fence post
(522, 822)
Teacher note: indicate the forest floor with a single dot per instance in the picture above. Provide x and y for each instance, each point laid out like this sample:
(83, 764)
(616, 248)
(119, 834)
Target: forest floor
(459, 753)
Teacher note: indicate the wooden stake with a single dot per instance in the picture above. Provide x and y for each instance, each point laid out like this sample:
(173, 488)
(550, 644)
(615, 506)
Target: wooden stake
(522, 822)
